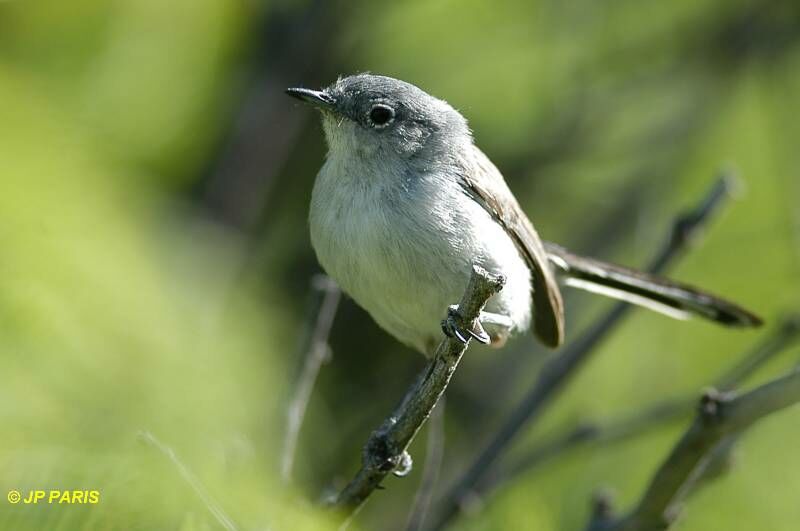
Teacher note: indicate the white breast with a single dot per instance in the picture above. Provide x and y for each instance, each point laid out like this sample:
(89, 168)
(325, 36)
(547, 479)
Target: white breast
(403, 249)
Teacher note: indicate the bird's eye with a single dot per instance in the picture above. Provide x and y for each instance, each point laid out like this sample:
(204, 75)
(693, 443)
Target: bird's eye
(381, 115)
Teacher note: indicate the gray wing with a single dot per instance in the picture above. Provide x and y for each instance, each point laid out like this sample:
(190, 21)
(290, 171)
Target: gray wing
(486, 185)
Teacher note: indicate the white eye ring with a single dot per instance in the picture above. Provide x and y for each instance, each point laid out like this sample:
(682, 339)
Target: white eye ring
(380, 115)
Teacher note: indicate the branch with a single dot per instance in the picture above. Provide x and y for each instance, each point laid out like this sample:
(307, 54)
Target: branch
(240, 186)
(434, 455)
(318, 353)
(720, 416)
(786, 334)
(386, 448)
(559, 370)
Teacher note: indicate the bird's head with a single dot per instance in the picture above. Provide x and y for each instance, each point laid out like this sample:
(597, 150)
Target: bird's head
(378, 116)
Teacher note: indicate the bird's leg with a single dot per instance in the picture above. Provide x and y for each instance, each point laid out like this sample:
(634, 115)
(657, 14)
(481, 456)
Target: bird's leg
(496, 319)
(452, 326)
(499, 327)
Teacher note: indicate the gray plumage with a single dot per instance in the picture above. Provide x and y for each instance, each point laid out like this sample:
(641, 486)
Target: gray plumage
(405, 204)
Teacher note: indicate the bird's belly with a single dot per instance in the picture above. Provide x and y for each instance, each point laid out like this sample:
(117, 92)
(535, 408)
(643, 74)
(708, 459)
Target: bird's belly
(386, 273)
(405, 264)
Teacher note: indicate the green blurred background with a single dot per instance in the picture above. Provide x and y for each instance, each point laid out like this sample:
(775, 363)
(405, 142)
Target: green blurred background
(155, 266)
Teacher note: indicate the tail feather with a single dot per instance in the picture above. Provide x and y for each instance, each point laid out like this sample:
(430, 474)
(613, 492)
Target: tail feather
(659, 294)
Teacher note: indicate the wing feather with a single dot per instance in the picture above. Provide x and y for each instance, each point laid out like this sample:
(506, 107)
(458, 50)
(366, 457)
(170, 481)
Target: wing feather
(485, 184)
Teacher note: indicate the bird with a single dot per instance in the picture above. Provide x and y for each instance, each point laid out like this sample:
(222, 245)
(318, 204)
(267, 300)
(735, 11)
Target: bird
(405, 204)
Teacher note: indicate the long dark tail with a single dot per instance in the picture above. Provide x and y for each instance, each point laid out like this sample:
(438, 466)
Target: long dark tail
(659, 294)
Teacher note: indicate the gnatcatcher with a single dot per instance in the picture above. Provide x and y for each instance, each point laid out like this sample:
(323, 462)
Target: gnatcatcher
(405, 204)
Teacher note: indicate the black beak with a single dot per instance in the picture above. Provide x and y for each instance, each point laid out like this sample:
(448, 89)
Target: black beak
(318, 98)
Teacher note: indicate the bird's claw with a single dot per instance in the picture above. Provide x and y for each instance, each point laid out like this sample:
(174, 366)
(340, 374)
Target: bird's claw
(404, 466)
(452, 326)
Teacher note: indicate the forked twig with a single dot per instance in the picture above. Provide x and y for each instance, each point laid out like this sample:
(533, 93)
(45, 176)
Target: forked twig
(626, 426)
(720, 416)
(318, 353)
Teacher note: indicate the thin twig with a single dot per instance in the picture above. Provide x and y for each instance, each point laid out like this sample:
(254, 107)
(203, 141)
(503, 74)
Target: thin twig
(386, 448)
(213, 507)
(434, 455)
(720, 416)
(783, 336)
(318, 353)
(560, 369)
(240, 186)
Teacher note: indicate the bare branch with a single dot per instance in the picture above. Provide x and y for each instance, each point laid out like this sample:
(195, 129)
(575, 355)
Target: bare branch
(720, 416)
(318, 353)
(560, 369)
(387, 445)
(786, 334)
(239, 188)
(434, 455)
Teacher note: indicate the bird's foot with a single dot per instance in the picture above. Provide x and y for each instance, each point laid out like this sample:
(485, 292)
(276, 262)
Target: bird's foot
(453, 326)
(496, 320)
(404, 465)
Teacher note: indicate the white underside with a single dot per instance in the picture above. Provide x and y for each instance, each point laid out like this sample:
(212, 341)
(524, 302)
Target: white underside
(404, 258)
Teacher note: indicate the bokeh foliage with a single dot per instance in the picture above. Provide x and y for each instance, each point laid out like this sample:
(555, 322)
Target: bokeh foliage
(143, 287)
